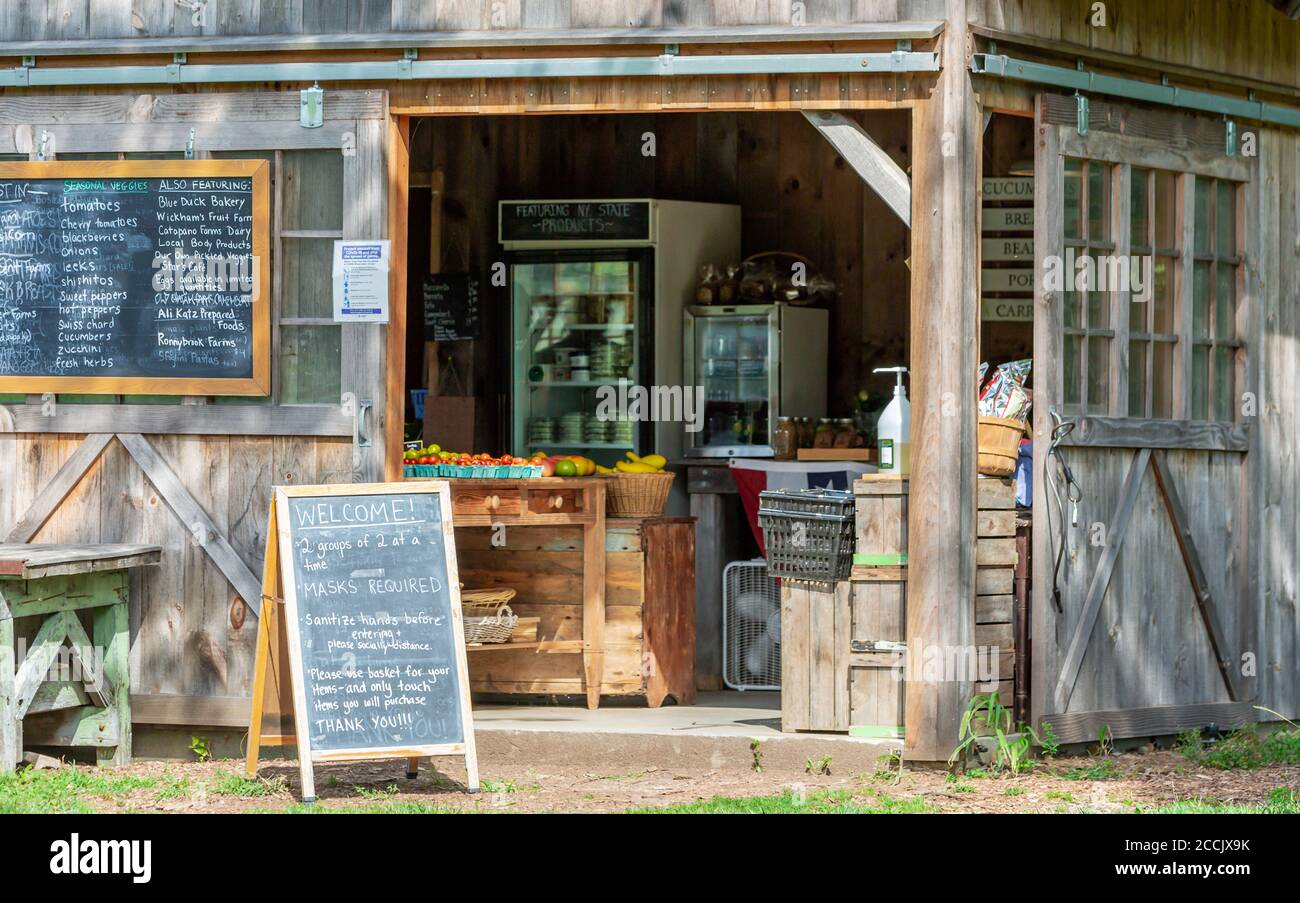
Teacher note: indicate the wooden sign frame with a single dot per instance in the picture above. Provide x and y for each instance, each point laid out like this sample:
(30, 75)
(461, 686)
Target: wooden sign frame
(260, 172)
(277, 683)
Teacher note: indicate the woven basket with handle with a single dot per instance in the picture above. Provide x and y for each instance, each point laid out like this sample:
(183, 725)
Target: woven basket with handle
(483, 602)
(999, 445)
(637, 494)
(494, 629)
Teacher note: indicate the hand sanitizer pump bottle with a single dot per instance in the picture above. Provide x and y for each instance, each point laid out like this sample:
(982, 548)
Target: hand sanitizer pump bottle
(893, 430)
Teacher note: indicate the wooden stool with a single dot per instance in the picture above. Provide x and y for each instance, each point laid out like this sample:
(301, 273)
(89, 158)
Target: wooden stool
(56, 582)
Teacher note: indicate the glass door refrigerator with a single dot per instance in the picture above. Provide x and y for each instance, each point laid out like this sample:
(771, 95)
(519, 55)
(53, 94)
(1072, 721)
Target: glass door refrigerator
(755, 363)
(582, 324)
(597, 289)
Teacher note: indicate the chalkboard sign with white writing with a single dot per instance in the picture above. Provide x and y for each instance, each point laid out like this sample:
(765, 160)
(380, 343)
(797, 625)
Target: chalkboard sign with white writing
(451, 308)
(134, 276)
(614, 221)
(374, 593)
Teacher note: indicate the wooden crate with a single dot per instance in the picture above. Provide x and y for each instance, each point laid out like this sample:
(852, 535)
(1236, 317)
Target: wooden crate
(995, 557)
(649, 647)
(832, 679)
(825, 684)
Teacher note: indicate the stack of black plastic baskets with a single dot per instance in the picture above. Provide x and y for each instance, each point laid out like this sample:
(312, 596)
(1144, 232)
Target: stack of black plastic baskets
(808, 534)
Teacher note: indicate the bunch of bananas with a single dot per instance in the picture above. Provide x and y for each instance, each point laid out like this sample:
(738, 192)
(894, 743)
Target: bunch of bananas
(638, 464)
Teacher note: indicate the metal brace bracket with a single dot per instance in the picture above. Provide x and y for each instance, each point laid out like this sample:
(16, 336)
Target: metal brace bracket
(311, 107)
(409, 56)
(666, 59)
(897, 59)
(20, 73)
(189, 146)
(1081, 113)
(1229, 137)
(905, 45)
(174, 67)
(42, 146)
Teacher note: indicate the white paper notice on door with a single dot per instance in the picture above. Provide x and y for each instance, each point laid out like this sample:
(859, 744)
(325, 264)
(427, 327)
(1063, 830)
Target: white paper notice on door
(361, 281)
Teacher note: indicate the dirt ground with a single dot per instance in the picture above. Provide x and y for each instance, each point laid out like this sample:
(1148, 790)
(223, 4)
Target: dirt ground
(1128, 782)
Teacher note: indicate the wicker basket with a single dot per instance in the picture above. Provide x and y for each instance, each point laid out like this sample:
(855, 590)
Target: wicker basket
(637, 494)
(999, 445)
(483, 602)
(494, 629)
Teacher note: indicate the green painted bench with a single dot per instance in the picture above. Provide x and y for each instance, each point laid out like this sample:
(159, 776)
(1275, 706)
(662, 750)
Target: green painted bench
(90, 702)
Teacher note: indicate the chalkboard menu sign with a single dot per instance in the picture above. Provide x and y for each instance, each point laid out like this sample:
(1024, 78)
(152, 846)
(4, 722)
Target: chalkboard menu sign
(451, 308)
(135, 276)
(371, 607)
(612, 221)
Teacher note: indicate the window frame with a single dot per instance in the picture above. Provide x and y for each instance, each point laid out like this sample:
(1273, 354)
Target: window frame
(1122, 155)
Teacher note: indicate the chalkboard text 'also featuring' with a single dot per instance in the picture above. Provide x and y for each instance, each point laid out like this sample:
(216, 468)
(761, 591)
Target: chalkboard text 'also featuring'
(138, 277)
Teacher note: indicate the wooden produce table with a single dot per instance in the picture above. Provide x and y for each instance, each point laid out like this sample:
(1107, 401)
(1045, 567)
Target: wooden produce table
(505, 505)
(56, 582)
(646, 632)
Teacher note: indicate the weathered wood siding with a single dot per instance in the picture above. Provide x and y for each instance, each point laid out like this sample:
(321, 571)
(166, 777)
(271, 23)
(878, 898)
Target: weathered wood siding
(194, 475)
(1276, 567)
(1238, 38)
(74, 19)
(189, 634)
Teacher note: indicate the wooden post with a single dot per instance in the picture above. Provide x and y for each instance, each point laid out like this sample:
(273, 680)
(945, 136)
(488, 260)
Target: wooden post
(11, 727)
(113, 636)
(593, 594)
(399, 171)
(432, 373)
(944, 358)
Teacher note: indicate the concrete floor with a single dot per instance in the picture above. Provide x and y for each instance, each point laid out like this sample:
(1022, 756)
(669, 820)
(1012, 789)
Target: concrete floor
(751, 714)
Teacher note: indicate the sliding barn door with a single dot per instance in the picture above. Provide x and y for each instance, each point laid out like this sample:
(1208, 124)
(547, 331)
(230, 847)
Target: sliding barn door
(194, 474)
(1143, 339)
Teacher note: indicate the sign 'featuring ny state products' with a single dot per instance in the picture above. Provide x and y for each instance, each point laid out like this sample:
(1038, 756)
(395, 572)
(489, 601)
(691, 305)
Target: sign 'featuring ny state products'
(141, 276)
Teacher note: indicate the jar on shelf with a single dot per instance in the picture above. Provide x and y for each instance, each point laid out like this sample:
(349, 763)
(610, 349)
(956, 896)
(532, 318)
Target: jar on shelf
(845, 434)
(825, 434)
(807, 432)
(710, 282)
(785, 439)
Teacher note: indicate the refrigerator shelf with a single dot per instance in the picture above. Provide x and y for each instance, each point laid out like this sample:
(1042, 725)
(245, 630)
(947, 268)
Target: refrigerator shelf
(585, 384)
(586, 327)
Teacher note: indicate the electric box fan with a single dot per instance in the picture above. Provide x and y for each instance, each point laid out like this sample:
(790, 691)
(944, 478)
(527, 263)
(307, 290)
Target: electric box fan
(751, 627)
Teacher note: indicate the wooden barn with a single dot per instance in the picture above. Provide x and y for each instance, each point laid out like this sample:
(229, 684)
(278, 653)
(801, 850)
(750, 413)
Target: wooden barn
(858, 134)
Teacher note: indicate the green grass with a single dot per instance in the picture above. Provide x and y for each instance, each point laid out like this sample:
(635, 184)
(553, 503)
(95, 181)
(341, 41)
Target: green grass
(821, 802)
(385, 807)
(1282, 801)
(231, 784)
(1099, 770)
(68, 789)
(1246, 747)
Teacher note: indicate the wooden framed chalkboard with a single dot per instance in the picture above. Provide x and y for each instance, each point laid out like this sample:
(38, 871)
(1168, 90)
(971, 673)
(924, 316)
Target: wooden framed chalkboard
(135, 276)
(361, 595)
